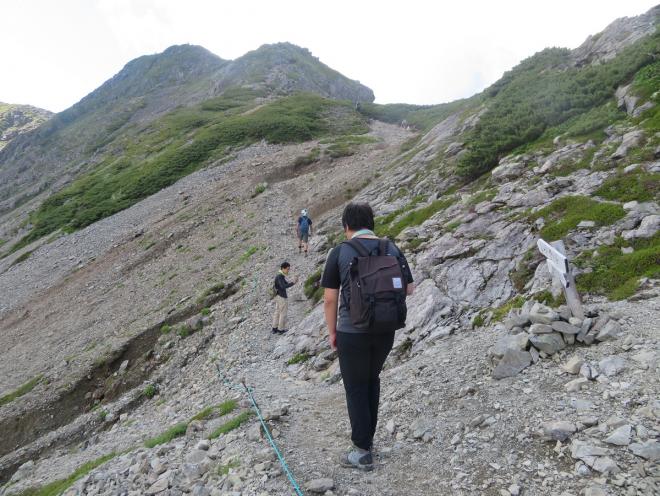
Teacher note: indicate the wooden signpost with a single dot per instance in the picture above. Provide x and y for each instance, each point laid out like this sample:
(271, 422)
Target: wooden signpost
(560, 269)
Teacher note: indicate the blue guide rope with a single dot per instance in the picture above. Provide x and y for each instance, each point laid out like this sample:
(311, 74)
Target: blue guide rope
(248, 391)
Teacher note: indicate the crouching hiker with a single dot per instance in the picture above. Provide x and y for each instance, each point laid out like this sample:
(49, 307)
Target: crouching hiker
(374, 279)
(281, 301)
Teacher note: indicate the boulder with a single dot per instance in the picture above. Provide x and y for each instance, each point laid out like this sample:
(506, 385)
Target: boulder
(540, 314)
(573, 365)
(512, 363)
(540, 329)
(548, 343)
(565, 327)
(620, 436)
(609, 331)
(630, 140)
(320, 486)
(649, 450)
(612, 365)
(647, 228)
(559, 430)
(507, 171)
(517, 342)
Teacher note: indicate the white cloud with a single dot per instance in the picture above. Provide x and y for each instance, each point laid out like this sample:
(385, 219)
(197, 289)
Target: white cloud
(415, 51)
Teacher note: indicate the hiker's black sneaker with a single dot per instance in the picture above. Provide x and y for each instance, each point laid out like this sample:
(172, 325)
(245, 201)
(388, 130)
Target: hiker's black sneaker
(357, 459)
(274, 330)
(282, 331)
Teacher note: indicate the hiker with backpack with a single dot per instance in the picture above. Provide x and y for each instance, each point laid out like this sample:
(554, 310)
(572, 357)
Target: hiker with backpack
(304, 229)
(374, 278)
(280, 285)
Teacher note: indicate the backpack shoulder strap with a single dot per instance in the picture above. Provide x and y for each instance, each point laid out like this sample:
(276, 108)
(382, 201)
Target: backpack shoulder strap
(357, 246)
(383, 243)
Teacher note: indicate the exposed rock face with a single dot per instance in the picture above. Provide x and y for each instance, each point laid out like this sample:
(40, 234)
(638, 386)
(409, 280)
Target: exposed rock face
(16, 120)
(618, 35)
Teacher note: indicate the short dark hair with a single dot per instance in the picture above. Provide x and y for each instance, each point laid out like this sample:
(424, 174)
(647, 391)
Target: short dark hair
(285, 265)
(358, 216)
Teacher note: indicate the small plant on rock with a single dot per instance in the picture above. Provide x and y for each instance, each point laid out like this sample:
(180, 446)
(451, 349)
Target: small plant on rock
(150, 391)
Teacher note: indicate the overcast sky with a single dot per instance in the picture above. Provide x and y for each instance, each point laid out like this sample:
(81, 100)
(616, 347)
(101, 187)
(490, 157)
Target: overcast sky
(55, 52)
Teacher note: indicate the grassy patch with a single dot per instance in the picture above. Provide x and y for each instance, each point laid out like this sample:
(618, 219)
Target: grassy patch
(386, 226)
(58, 487)
(565, 214)
(308, 159)
(221, 409)
(525, 268)
(312, 287)
(502, 311)
(637, 185)
(22, 258)
(205, 311)
(224, 469)
(248, 253)
(177, 430)
(21, 390)
(345, 146)
(231, 424)
(482, 196)
(166, 329)
(547, 298)
(298, 358)
(616, 274)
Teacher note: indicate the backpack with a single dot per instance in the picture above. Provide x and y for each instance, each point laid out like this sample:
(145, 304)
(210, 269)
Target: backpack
(304, 224)
(377, 300)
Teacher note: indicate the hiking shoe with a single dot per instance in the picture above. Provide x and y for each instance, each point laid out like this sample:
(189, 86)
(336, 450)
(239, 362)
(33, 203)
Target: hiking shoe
(274, 330)
(282, 331)
(357, 459)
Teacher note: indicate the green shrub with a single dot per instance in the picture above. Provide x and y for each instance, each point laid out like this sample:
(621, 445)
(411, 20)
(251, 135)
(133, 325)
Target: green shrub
(231, 425)
(260, 188)
(164, 153)
(637, 185)
(310, 158)
(545, 90)
(478, 320)
(21, 390)
(205, 311)
(184, 331)
(647, 81)
(58, 487)
(312, 288)
(298, 358)
(565, 214)
(177, 430)
(248, 253)
(150, 391)
(165, 329)
(616, 274)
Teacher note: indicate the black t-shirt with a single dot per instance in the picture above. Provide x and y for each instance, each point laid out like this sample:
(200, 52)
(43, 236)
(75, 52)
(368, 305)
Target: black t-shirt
(336, 276)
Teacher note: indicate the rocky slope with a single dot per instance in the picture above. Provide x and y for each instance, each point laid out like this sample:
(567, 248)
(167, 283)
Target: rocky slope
(80, 138)
(123, 360)
(18, 119)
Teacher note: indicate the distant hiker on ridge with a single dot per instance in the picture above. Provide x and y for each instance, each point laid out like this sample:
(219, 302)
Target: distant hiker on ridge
(281, 301)
(304, 229)
(375, 279)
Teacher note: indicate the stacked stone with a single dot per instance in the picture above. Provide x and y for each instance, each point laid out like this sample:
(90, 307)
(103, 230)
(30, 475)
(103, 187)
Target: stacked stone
(536, 331)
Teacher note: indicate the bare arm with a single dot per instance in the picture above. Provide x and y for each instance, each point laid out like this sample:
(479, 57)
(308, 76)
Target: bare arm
(330, 300)
(410, 288)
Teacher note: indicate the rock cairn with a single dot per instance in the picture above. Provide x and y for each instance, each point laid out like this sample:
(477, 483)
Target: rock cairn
(537, 331)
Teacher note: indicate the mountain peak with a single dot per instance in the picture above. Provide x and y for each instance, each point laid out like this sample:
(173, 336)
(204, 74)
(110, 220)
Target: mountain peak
(616, 36)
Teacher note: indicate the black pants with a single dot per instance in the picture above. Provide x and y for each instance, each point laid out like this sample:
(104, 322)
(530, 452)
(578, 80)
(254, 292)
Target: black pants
(361, 358)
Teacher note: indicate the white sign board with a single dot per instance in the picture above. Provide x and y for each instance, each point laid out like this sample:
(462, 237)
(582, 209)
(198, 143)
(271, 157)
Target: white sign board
(558, 272)
(558, 260)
